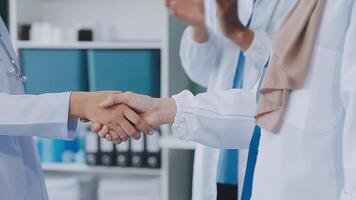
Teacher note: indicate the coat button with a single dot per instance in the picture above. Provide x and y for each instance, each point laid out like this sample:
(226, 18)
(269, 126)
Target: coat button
(24, 79)
(13, 61)
(12, 70)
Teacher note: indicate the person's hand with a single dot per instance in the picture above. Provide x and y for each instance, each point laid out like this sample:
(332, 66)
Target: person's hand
(190, 12)
(120, 121)
(230, 24)
(155, 111)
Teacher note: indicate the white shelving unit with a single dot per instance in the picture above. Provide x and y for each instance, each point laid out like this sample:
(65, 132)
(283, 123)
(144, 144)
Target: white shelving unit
(142, 24)
(170, 142)
(153, 44)
(80, 168)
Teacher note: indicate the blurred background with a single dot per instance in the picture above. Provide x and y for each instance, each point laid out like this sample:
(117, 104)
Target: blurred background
(90, 45)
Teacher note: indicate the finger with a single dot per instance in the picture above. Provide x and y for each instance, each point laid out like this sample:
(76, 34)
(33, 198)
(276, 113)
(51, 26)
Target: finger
(108, 137)
(129, 129)
(95, 127)
(84, 120)
(103, 131)
(139, 123)
(118, 130)
(166, 2)
(115, 141)
(173, 7)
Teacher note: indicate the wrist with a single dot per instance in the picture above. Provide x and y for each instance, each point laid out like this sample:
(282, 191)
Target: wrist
(78, 104)
(243, 38)
(200, 34)
(167, 110)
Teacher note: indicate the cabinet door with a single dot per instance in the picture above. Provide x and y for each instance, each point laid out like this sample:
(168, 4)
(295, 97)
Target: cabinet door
(54, 70)
(125, 70)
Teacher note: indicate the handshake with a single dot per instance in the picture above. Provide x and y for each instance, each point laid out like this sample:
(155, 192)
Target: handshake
(117, 116)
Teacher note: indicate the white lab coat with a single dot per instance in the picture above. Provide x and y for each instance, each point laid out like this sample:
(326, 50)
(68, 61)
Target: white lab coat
(213, 65)
(24, 116)
(312, 157)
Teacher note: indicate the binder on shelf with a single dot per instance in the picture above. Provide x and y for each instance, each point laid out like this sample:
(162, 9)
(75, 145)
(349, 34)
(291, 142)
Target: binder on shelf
(125, 70)
(106, 152)
(91, 148)
(123, 154)
(137, 152)
(153, 150)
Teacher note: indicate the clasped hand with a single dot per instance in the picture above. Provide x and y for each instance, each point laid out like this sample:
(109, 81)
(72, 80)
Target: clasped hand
(119, 116)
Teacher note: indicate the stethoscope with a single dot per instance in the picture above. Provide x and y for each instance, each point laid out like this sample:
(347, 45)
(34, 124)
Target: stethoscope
(14, 69)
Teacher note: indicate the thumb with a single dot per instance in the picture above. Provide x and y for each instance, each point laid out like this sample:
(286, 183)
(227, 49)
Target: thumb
(113, 100)
(110, 101)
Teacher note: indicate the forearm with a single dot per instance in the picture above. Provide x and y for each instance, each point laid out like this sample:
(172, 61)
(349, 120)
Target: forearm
(78, 102)
(36, 115)
(243, 39)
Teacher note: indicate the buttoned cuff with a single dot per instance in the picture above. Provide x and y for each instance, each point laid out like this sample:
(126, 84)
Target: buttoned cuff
(184, 108)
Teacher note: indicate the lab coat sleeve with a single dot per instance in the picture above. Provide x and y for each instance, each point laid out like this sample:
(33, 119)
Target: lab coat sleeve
(36, 115)
(220, 119)
(198, 59)
(348, 94)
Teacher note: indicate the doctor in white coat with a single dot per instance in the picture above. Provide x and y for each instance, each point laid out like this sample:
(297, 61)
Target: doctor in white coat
(211, 62)
(49, 115)
(311, 156)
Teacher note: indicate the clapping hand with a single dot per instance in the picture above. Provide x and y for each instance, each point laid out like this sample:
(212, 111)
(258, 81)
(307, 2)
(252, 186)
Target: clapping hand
(154, 111)
(230, 24)
(192, 13)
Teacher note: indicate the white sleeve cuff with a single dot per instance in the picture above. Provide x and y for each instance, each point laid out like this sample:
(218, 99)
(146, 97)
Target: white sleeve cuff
(184, 108)
(72, 124)
(188, 38)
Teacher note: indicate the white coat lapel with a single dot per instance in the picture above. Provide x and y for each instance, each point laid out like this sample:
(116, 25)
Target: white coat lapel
(5, 38)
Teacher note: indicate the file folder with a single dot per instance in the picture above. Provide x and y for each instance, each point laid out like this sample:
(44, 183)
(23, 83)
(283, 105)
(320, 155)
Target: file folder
(153, 150)
(57, 70)
(91, 148)
(125, 70)
(122, 154)
(106, 152)
(137, 151)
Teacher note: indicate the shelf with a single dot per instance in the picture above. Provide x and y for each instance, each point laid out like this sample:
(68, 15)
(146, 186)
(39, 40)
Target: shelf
(170, 142)
(81, 168)
(149, 44)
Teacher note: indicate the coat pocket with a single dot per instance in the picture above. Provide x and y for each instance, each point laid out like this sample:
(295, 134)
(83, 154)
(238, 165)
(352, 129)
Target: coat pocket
(325, 110)
(297, 109)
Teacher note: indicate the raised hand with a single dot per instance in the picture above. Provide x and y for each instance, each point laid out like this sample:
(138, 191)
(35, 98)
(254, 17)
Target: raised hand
(230, 24)
(192, 13)
(155, 111)
(120, 121)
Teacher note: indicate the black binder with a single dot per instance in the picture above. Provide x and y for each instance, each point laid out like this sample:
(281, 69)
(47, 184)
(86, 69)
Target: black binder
(153, 150)
(91, 148)
(137, 152)
(106, 152)
(123, 154)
